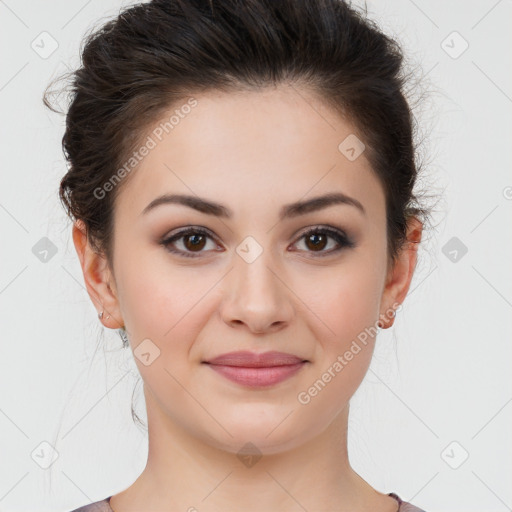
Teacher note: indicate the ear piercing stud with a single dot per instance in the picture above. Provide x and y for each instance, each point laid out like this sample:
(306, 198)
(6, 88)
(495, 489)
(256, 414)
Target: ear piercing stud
(121, 331)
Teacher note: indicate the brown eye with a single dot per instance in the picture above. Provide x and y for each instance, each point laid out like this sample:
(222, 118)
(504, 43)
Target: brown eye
(317, 239)
(192, 240)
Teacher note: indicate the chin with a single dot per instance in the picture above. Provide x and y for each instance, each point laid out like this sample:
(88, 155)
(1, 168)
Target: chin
(257, 437)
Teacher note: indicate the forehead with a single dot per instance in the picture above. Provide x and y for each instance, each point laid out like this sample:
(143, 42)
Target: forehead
(251, 150)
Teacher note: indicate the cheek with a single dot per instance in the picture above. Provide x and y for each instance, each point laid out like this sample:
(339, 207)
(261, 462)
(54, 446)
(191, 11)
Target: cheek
(169, 312)
(154, 293)
(345, 300)
(164, 308)
(347, 305)
(169, 305)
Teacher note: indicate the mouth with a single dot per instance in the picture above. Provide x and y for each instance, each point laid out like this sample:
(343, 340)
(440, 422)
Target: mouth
(256, 370)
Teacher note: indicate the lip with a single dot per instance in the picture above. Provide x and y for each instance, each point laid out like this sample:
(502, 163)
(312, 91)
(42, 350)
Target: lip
(256, 370)
(249, 359)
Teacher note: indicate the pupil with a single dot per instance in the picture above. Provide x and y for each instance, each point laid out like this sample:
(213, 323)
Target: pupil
(316, 236)
(195, 243)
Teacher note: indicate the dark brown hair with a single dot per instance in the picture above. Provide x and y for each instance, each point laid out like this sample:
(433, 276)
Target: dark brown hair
(155, 54)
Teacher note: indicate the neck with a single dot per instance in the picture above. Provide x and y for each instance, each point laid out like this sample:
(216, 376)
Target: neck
(186, 473)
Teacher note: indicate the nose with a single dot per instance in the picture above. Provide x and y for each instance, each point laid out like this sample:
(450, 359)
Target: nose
(256, 297)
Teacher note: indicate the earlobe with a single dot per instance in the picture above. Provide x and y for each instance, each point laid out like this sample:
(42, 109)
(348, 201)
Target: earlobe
(97, 278)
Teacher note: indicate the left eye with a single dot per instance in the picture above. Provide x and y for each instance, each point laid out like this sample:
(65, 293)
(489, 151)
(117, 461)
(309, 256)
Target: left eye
(316, 239)
(194, 240)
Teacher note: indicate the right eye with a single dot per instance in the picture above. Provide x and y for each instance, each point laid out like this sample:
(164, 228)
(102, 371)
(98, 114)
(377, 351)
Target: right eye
(193, 240)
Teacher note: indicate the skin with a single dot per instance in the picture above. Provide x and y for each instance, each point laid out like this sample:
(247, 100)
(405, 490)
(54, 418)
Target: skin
(252, 152)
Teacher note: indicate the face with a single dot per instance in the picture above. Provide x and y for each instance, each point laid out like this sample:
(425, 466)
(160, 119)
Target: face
(192, 281)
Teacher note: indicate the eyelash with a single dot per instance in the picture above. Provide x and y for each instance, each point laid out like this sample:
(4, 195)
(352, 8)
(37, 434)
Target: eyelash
(338, 236)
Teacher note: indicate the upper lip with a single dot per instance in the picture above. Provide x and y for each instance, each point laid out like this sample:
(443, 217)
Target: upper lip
(249, 359)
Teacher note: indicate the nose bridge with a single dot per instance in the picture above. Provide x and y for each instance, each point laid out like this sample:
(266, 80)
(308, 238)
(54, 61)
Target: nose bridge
(254, 279)
(256, 295)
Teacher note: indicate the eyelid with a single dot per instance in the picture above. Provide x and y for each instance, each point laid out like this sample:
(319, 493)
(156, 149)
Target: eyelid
(321, 227)
(179, 232)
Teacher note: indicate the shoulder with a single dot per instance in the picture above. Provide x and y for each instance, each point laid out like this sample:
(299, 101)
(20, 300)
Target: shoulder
(97, 506)
(404, 506)
(409, 507)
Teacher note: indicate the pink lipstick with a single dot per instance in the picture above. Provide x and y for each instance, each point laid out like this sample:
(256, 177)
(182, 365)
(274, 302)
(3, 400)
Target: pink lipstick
(256, 370)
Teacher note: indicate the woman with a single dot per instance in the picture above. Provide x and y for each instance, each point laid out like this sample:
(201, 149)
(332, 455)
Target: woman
(241, 183)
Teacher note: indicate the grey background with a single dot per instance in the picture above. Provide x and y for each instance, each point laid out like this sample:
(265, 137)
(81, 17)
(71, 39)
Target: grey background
(438, 389)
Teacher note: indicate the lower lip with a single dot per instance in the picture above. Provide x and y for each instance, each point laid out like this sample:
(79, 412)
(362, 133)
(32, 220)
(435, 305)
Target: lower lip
(257, 377)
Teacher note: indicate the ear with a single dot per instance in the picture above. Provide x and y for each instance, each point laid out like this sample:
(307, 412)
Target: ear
(400, 275)
(98, 278)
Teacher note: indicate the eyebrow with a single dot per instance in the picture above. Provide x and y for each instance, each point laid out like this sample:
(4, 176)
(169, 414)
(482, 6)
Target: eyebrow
(287, 211)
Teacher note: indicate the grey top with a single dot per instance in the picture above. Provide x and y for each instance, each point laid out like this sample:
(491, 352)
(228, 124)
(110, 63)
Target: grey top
(103, 506)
